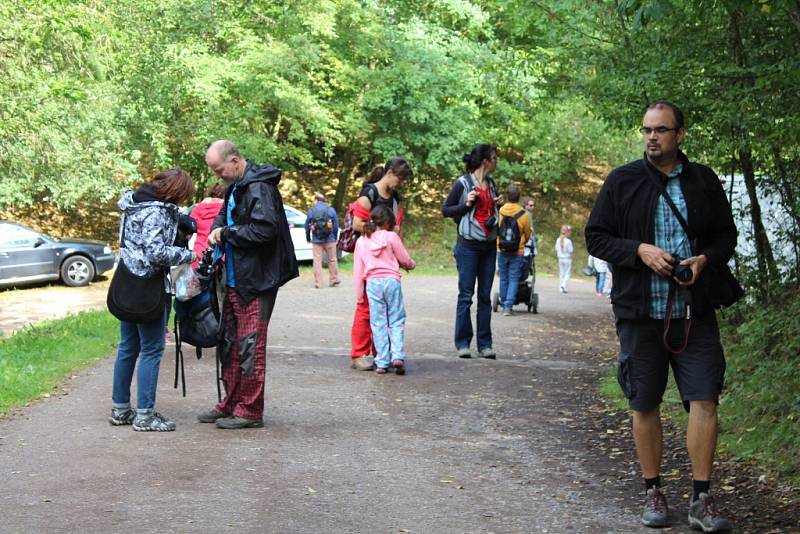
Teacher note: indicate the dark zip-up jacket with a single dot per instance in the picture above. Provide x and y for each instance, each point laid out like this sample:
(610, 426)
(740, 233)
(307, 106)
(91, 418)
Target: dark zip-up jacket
(623, 217)
(263, 254)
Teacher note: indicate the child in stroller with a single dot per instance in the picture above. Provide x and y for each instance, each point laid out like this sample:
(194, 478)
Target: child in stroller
(526, 290)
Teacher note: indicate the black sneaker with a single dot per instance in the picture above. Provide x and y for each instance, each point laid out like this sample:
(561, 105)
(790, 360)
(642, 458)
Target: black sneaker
(121, 416)
(703, 514)
(152, 422)
(655, 509)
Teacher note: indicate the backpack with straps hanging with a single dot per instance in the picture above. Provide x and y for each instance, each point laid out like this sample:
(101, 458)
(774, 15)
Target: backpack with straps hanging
(508, 234)
(321, 222)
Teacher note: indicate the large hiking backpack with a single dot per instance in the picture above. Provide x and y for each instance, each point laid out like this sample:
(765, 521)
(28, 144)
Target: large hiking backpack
(197, 320)
(321, 223)
(508, 233)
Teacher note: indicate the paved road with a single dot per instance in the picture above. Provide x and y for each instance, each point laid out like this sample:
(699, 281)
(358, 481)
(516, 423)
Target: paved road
(455, 446)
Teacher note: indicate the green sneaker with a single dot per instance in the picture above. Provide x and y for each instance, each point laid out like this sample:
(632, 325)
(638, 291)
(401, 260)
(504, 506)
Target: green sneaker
(655, 509)
(209, 416)
(703, 514)
(234, 423)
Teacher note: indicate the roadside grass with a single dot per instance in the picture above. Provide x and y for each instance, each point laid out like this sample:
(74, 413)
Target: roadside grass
(759, 413)
(36, 359)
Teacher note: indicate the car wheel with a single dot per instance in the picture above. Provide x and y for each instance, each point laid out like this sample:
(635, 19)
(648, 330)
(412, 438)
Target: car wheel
(77, 271)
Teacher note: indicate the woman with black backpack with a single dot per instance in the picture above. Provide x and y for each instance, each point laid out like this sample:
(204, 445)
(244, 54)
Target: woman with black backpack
(147, 235)
(472, 203)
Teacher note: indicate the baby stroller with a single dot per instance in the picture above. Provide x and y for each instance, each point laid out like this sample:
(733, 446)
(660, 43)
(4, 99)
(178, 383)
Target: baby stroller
(526, 293)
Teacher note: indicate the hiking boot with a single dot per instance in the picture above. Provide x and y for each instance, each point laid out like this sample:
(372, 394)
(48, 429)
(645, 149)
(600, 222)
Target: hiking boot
(209, 416)
(121, 416)
(703, 514)
(399, 367)
(655, 508)
(464, 353)
(234, 422)
(488, 353)
(152, 422)
(363, 363)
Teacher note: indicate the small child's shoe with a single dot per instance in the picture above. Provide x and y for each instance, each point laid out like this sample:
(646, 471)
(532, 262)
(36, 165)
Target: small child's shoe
(380, 371)
(399, 367)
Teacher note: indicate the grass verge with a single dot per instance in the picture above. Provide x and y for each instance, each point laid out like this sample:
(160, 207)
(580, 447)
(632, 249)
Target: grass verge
(36, 359)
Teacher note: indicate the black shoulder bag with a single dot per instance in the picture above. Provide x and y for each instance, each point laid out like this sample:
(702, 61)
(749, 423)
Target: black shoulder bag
(136, 299)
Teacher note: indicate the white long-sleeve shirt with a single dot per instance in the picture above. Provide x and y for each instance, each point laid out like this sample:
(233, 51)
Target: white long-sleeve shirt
(565, 252)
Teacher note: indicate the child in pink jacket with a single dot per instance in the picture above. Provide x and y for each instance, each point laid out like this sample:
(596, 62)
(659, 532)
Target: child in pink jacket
(379, 254)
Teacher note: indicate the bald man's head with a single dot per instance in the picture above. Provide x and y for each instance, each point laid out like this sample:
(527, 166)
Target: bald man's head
(224, 159)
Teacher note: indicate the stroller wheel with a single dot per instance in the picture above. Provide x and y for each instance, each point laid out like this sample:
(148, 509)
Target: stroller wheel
(533, 305)
(495, 301)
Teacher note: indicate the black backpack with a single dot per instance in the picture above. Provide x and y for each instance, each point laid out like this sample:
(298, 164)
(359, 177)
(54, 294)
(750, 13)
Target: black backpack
(321, 223)
(508, 233)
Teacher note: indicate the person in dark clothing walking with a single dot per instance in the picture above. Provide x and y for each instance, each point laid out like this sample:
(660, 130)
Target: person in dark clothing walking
(662, 319)
(259, 258)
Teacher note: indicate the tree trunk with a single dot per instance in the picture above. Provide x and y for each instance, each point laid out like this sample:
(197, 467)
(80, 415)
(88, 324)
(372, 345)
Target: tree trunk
(767, 271)
(347, 173)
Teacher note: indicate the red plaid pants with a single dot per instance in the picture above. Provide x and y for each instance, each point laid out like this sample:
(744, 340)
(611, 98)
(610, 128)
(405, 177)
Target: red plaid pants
(245, 340)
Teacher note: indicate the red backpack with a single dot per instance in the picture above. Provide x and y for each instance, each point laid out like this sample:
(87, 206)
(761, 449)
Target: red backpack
(348, 236)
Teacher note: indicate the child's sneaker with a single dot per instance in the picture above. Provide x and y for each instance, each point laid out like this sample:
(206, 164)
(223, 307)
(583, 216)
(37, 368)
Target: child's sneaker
(152, 422)
(399, 367)
(121, 416)
(380, 371)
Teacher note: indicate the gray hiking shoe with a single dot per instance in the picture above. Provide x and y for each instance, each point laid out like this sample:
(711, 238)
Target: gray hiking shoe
(488, 353)
(703, 514)
(464, 352)
(209, 416)
(152, 422)
(655, 508)
(363, 363)
(121, 416)
(233, 423)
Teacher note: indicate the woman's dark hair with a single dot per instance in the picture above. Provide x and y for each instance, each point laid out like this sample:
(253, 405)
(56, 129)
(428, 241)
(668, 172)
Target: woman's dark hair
(399, 166)
(216, 190)
(474, 159)
(173, 185)
(380, 217)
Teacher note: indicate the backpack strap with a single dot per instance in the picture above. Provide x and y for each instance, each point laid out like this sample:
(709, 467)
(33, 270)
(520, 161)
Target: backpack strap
(519, 214)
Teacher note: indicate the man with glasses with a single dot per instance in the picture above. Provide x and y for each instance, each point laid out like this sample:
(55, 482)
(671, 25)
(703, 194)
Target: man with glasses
(662, 319)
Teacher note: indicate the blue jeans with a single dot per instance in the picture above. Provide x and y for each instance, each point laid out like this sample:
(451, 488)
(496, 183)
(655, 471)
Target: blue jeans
(474, 262)
(387, 319)
(145, 342)
(601, 282)
(510, 268)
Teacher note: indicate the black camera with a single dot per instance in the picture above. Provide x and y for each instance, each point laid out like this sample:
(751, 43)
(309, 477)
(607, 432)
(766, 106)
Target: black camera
(682, 272)
(186, 227)
(205, 268)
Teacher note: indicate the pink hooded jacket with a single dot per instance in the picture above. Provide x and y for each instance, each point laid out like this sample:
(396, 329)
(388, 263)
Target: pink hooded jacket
(379, 256)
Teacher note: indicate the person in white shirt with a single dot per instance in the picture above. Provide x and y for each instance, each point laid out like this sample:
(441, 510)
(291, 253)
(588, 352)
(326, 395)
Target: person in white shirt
(564, 253)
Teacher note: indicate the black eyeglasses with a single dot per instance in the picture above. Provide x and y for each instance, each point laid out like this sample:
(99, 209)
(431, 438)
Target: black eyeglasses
(661, 130)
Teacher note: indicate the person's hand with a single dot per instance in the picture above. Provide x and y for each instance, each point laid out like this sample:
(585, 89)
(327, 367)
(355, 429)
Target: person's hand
(500, 200)
(697, 264)
(471, 198)
(658, 259)
(214, 237)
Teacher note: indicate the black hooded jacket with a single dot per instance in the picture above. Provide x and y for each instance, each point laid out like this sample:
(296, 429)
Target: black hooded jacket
(623, 217)
(263, 254)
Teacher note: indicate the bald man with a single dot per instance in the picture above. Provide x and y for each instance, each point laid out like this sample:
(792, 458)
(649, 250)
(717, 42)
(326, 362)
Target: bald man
(259, 258)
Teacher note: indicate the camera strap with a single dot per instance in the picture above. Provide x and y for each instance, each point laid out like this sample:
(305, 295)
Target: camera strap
(672, 285)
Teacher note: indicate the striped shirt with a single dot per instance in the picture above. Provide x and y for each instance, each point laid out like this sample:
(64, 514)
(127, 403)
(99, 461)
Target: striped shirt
(670, 236)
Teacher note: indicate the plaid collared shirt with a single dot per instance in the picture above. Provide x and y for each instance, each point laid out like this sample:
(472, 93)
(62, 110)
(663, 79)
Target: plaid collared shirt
(671, 238)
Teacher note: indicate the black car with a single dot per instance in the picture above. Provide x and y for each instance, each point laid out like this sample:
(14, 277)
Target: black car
(27, 256)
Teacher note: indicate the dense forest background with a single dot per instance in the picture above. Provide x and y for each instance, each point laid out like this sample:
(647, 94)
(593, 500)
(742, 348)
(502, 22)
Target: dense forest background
(96, 96)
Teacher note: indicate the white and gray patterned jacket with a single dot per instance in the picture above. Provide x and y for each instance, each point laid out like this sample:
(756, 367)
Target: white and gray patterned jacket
(150, 226)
